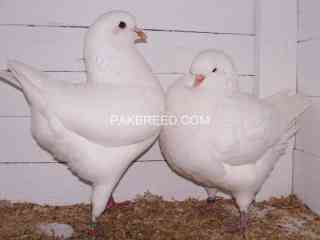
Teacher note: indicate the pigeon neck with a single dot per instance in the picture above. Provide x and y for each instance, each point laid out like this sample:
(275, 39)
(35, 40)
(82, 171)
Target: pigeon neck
(117, 66)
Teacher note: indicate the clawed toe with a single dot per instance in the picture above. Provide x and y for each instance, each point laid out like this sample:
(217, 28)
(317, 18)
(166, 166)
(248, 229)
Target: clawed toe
(211, 200)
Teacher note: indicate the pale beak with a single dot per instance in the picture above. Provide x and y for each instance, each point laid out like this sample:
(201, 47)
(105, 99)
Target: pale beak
(142, 37)
(198, 79)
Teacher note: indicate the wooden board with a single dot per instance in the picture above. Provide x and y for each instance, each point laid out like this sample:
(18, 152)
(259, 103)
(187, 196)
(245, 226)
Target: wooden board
(276, 49)
(309, 19)
(276, 63)
(307, 154)
(16, 140)
(307, 178)
(54, 184)
(12, 102)
(308, 68)
(60, 49)
(49, 35)
(228, 16)
(17, 144)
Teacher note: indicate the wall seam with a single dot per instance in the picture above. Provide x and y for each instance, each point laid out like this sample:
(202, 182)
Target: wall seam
(297, 91)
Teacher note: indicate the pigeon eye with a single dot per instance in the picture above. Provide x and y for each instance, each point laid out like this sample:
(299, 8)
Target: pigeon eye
(214, 70)
(122, 25)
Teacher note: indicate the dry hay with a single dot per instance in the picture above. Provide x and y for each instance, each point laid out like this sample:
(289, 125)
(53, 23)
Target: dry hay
(150, 217)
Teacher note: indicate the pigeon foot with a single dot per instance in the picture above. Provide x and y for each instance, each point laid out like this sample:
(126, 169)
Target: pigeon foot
(113, 204)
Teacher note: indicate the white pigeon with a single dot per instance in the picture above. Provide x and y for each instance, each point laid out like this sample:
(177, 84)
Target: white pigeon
(239, 138)
(77, 123)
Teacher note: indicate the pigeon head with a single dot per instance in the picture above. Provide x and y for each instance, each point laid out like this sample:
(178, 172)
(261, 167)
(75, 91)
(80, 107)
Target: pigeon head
(118, 27)
(110, 52)
(215, 70)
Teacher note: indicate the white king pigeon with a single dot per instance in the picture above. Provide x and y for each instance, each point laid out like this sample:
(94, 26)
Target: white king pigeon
(239, 137)
(79, 123)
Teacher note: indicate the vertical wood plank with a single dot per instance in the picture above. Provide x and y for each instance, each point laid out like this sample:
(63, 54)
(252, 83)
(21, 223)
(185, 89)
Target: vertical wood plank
(309, 20)
(276, 46)
(306, 158)
(306, 184)
(308, 68)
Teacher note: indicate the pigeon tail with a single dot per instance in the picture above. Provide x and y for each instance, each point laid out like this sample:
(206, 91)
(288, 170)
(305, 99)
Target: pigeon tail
(29, 80)
(290, 107)
(268, 161)
(10, 79)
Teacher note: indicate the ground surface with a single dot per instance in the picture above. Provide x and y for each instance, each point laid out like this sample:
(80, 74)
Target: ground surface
(149, 217)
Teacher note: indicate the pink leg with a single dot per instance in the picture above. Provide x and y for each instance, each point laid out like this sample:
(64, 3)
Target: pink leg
(113, 204)
(93, 231)
(211, 196)
(239, 227)
(210, 204)
(211, 200)
(243, 222)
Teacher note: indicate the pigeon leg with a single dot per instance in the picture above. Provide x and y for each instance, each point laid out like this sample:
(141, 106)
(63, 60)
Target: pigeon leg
(113, 204)
(232, 227)
(243, 201)
(99, 195)
(243, 222)
(240, 226)
(93, 231)
(211, 195)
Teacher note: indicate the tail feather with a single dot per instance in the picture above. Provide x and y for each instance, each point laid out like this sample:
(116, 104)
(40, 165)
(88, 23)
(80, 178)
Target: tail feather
(291, 106)
(10, 79)
(282, 144)
(32, 74)
(30, 80)
(268, 161)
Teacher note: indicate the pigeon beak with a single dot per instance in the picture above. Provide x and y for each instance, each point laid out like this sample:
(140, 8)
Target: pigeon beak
(142, 37)
(199, 78)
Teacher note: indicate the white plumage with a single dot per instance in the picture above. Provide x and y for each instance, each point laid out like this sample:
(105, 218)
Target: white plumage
(237, 150)
(74, 121)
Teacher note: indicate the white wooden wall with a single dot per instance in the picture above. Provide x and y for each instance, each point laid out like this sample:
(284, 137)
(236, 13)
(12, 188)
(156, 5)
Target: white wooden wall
(276, 61)
(307, 153)
(49, 34)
